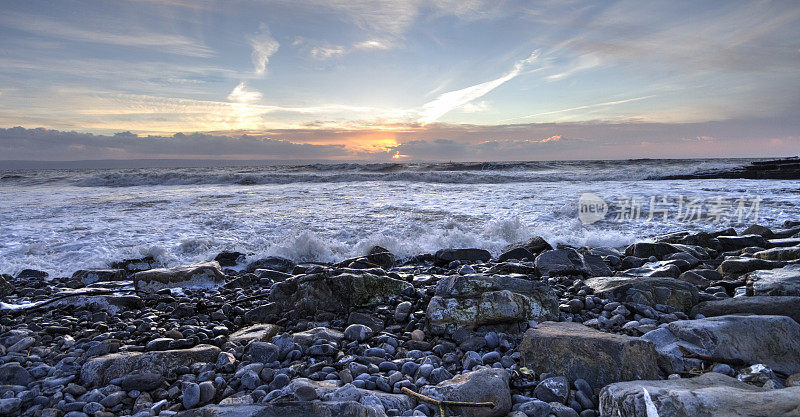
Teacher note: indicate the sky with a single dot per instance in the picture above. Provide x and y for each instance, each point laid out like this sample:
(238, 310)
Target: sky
(398, 80)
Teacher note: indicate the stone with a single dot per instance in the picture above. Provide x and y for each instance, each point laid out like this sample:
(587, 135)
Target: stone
(90, 276)
(760, 305)
(553, 389)
(757, 229)
(142, 381)
(445, 256)
(744, 339)
(263, 352)
(402, 311)
(700, 277)
(191, 395)
(9, 406)
(199, 276)
(646, 250)
(283, 409)
(577, 351)
(275, 263)
(357, 332)
(229, 258)
(382, 257)
(475, 300)
(318, 292)
(136, 265)
(736, 266)
(534, 245)
(646, 290)
(6, 288)
(370, 320)
(711, 394)
(308, 337)
(647, 270)
(732, 243)
(780, 281)
(257, 332)
(560, 262)
(477, 386)
(779, 254)
(101, 370)
(14, 374)
(112, 304)
(207, 391)
(516, 253)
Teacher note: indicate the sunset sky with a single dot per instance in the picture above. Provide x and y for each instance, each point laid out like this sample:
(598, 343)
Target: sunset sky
(402, 80)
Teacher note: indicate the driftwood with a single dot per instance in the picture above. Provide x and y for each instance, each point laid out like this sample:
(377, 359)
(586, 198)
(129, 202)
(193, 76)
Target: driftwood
(443, 404)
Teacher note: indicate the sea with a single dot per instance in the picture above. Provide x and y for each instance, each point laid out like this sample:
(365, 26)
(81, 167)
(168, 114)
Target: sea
(62, 220)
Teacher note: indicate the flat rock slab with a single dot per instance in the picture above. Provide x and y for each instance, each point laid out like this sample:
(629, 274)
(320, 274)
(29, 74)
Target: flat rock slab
(779, 254)
(780, 281)
(477, 300)
(257, 332)
(708, 395)
(484, 385)
(744, 339)
(286, 409)
(330, 391)
(319, 292)
(199, 276)
(112, 303)
(90, 276)
(760, 305)
(646, 290)
(560, 262)
(742, 265)
(731, 243)
(576, 351)
(445, 256)
(100, 371)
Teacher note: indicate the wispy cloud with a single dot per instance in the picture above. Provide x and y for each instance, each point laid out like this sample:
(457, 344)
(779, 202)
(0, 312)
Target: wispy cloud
(446, 102)
(324, 50)
(130, 36)
(264, 46)
(588, 106)
(240, 94)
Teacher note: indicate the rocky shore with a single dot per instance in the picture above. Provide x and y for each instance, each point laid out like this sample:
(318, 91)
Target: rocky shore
(690, 324)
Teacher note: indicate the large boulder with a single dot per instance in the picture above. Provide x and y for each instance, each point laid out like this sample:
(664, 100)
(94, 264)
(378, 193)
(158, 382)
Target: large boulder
(321, 292)
(780, 281)
(484, 385)
(736, 265)
(568, 261)
(646, 250)
(735, 339)
(579, 352)
(275, 263)
(779, 254)
(534, 245)
(470, 255)
(476, 300)
(759, 305)
(646, 290)
(205, 275)
(731, 243)
(100, 371)
(708, 395)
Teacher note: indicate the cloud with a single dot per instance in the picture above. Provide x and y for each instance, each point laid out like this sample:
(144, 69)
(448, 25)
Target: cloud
(264, 46)
(108, 34)
(588, 106)
(446, 102)
(323, 51)
(240, 94)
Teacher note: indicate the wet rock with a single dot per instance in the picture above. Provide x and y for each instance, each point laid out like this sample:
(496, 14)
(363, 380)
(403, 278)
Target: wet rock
(771, 340)
(139, 381)
(650, 291)
(700, 277)
(100, 371)
(711, 394)
(477, 386)
(654, 270)
(577, 351)
(136, 265)
(191, 395)
(760, 305)
(476, 300)
(534, 245)
(742, 265)
(779, 254)
(780, 281)
(292, 408)
(732, 243)
(112, 304)
(554, 389)
(516, 253)
(570, 262)
(227, 258)
(275, 263)
(646, 250)
(445, 256)
(308, 337)
(205, 275)
(256, 332)
(14, 374)
(318, 292)
(381, 256)
(90, 276)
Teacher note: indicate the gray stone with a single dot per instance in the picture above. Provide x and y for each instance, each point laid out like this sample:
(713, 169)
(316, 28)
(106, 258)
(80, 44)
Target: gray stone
(646, 290)
(771, 340)
(654, 270)
(445, 256)
(275, 263)
(731, 243)
(576, 351)
(357, 332)
(256, 332)
(100, 371)
(263, 352)
(560, 262)
(700, 277)
(554, 389)
(10, 406)
(646, 250)
(477, 386)
(139, 381)
(711, 394)
(14, 374)
(779, 254)
(285, 409)
(760, 305)
(735, 266)
(534, 245)
(308, 337)
(191, 395)
(90, 276)
(199, 276)
(781, 281)
(476, 300)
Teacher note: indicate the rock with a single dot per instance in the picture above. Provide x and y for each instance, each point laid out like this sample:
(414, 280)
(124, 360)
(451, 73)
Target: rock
(771, 340)
(284, 409)
(10, 406)
(656, 270)
(576, 351)
(199, 276)
(275, 263)
(263, 352)
(569, 262)
(402, 311)
(100, 371)
(373, 322)
(31, 274)
(732, 243)
(534, 245)
(318, 292)
(112, 304)
(136, 265)
(191, 395)
(516, 253)
(651, 291)
(646, 250)
(207, 391)
(445, 256)
(90, 276)
(700, 277)
(781, 281)
(227, 258)
(757, 229)
(14, 374)
(760, 305)
(6, 288)
(139, 381)
(554, 389)
(740, 265)
(710, 394)
(357, 332)
(256, 332)
(381, 256)
(476, 300)
(477, 386)
(779, 254)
